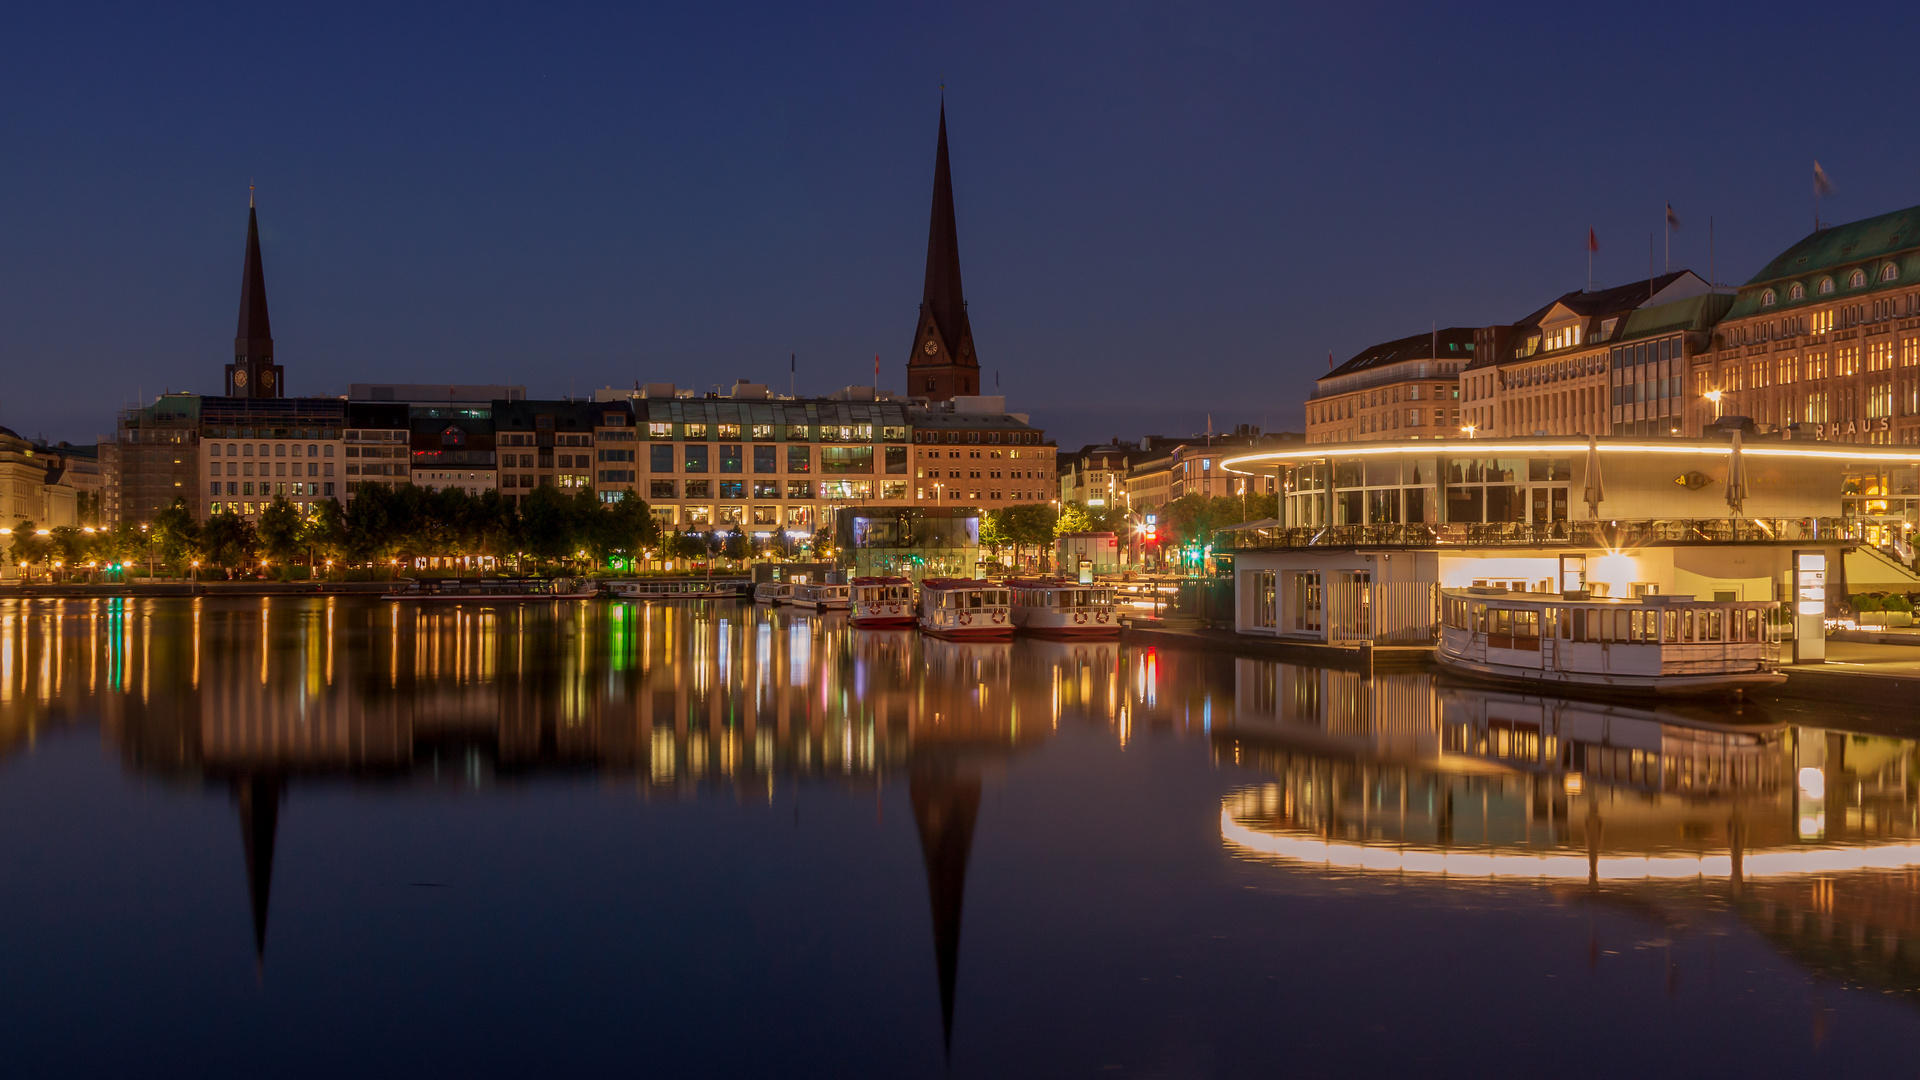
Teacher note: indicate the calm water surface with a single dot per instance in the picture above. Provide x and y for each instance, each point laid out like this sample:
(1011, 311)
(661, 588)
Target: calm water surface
(327, 837)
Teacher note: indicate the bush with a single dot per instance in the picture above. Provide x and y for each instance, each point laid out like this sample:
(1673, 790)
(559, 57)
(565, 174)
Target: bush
(1897, 603)
(1865, 602)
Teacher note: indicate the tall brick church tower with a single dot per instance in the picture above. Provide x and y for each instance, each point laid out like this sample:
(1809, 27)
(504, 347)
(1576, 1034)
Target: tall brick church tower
(943, 364)
(253, 374)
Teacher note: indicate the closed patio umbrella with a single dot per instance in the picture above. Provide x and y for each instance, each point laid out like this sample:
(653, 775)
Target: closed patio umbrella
(1736, 477)
(1596, 492)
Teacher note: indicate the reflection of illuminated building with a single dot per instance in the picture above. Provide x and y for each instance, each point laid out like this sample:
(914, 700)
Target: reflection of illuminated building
(1404, 776)
(254, 697)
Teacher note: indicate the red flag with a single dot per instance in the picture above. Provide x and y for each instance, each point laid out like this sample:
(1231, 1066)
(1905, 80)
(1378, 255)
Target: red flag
(1593, 242)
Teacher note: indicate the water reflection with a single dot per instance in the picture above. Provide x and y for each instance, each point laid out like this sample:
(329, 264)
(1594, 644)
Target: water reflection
(1807, 834)
(1811, 835)
(260, 695)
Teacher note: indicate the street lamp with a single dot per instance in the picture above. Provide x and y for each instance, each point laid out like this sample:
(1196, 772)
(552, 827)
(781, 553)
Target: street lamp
(1470, 429)
(1714, 396)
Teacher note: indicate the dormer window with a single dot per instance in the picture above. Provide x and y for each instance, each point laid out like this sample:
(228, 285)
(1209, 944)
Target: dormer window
(1890, 272)
(1826, 285)
(1607, 325)
(1797, 292)
(1857, 279)
(1768, 298)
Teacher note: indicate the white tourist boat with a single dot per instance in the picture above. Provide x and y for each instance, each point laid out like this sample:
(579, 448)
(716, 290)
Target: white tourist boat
(1061, 608)
(819, 596)
(883, 601)
(681, 589)
(493, 590)
(773, 592)
(1649, 644)
(964, 608)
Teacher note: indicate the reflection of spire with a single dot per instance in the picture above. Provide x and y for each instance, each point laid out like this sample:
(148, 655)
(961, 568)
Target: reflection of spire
(259, 801)
(945, 807)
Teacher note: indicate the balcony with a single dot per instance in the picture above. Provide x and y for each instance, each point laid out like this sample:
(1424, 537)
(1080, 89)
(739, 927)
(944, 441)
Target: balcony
(1520, 534)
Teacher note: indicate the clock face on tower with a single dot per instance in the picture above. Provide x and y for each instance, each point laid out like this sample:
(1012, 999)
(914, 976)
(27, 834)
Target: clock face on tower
(929, 348)
(266, 379)
(240, 377)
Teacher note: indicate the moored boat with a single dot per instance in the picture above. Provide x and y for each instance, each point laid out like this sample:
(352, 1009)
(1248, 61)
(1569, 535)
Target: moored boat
(883, 601)
(1062, 608)
(820, 596)
(773, 592)
(1650, 644)
(964, 608)
(681, 589)
(493, 590)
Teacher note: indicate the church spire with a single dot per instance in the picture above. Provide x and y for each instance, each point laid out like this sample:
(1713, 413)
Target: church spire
(943, 363)
(253, 372)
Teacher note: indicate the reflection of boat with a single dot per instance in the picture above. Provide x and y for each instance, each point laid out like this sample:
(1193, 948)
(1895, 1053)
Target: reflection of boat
(682, 589)
(882, 601)
(822, 597)
(964, 608)
(1062, 608)
(773, 592)
(1651, 644)
(498, 590)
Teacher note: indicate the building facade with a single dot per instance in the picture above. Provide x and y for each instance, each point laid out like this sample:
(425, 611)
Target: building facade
(969, 451)
(33, 485)
(758, 463)
(1408, 388)
(254, 450)
(1606, 362)
(1823, 343)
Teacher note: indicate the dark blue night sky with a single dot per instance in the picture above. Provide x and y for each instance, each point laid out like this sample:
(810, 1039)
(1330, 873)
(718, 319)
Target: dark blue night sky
(1165, 211)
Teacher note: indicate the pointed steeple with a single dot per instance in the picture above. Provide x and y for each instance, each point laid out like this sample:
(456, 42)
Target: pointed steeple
(254, 338)
(259, 801)
(945, 807)
(253, 372)
(943, 363)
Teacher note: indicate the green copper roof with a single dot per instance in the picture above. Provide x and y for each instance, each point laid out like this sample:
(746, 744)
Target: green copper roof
(1693, 313)
(1833, 254)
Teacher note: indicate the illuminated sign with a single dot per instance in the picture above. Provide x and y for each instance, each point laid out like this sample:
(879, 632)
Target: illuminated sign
(1810, 582)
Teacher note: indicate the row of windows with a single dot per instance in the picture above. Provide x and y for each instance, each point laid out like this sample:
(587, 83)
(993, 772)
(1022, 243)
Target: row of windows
(1018, 437)
(1515, 628)
(268, 450)
(302, 490)
(1855, 280)
(245, 468)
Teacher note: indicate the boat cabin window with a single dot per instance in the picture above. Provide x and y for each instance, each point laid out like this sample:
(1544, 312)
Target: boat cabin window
(1511, 629)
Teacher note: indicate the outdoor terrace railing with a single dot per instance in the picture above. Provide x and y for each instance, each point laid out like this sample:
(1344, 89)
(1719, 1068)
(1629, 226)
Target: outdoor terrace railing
(1610, 534)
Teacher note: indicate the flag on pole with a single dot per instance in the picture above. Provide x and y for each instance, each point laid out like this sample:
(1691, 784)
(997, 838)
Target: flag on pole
(1593, 242)
(1821, 184)
(1673, 219)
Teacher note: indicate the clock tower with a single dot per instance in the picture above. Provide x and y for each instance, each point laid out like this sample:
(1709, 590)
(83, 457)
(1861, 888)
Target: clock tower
(942, 364)
(253, 374)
